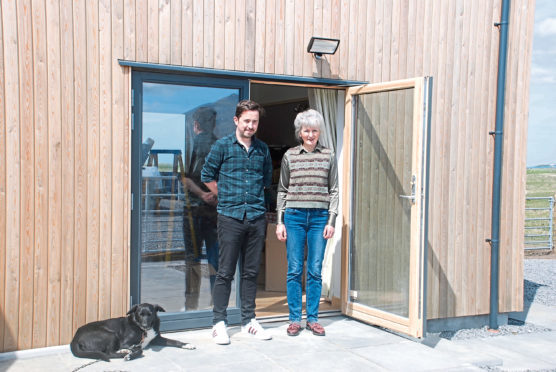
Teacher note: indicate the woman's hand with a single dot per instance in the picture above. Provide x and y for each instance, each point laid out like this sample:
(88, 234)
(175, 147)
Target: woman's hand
(328, 232)
(281, 232)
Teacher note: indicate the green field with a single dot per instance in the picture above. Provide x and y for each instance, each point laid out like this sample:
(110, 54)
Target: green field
(541, 182)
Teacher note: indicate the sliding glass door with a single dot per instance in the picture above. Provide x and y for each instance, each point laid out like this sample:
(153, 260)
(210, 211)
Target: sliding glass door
(174, 248)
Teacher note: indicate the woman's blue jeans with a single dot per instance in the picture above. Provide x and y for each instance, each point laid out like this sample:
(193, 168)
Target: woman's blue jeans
(305, 226)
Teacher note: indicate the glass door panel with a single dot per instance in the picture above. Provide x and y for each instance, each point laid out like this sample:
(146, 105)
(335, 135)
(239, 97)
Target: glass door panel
(176, 248)
(382, 160)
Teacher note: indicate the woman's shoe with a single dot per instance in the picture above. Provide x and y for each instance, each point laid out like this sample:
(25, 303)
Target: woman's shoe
(316, 328)
(294, 329)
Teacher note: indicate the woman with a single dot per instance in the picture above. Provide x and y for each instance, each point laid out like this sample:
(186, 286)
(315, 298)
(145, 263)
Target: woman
(307, 206)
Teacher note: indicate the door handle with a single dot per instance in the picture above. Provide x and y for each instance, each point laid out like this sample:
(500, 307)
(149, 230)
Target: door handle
(412, 196)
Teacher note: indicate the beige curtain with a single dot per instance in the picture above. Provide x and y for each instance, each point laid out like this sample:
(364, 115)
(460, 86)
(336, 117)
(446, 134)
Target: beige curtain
(329, 102)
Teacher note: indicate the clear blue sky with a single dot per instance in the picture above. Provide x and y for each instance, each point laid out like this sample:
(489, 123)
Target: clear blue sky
(541, 139)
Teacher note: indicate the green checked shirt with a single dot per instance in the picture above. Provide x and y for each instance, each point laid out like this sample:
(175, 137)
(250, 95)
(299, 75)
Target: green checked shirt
(241, 176)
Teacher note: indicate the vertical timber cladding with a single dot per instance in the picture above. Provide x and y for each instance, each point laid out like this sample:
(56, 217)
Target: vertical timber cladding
(65, 129)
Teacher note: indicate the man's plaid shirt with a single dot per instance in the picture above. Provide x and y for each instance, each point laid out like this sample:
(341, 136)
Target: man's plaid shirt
(241, 176)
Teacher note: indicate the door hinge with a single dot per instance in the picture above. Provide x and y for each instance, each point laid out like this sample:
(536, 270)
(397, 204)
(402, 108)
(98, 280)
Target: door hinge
(131, 201)
(133, 98)
(132, 121)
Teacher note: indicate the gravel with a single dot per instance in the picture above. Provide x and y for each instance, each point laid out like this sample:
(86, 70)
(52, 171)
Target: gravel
(540, 281)
(540, 287)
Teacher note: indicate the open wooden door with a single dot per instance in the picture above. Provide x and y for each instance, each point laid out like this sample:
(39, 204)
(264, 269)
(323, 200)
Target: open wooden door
(384, 234)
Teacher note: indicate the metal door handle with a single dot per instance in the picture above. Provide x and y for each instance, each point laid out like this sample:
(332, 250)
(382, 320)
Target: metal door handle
(412, 196)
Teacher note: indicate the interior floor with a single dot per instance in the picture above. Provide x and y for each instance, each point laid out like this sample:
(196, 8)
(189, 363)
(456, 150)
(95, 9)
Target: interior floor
(272, 304)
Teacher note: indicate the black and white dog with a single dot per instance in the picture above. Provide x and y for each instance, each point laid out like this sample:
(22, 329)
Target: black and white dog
(124, 337)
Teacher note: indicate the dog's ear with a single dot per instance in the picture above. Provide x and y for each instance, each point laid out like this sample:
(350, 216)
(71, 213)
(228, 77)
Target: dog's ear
(132, 310)
(159, 308)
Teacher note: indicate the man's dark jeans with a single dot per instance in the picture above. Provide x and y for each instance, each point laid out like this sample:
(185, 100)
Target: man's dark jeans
(243, 240)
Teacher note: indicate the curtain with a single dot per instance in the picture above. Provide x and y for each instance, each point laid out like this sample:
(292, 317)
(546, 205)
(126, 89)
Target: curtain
(325, 101)
(329, 102)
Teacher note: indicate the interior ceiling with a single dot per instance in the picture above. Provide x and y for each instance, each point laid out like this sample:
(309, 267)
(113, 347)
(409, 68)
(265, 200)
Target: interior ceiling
(267, 94)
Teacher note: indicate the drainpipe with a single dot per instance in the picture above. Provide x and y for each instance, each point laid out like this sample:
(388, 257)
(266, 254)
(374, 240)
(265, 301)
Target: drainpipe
(496, 186)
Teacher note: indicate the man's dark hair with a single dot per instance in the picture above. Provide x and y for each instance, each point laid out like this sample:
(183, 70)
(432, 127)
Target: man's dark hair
(206, 117)
(248, 105)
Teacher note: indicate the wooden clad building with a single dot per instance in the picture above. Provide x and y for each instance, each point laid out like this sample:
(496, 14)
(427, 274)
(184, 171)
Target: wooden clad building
(67, 144)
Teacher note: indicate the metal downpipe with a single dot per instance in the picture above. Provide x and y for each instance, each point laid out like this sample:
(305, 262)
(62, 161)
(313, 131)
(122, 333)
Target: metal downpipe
(498, 146)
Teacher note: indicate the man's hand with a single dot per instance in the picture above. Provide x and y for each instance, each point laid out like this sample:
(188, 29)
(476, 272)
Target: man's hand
(213, 187)
(209, 198)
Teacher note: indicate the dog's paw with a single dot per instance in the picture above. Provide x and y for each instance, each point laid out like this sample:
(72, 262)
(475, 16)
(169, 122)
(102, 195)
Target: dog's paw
(127, 357)
(188, 346)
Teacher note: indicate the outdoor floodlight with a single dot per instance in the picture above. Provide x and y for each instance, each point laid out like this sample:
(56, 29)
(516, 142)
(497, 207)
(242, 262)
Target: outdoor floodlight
(322, 45)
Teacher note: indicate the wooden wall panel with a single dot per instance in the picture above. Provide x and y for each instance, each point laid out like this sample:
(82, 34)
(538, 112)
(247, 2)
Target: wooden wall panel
(165, 31)
(152, 40)
(219, 42)
(12, 176)
(93, 159)
(240, 44)
(105, 155)
(65, 133)
(41, 174)
(25, 46)
(186, 33)
(68, 171)
(209, 41)
(175, 32)
(230, 32)
(269, 35)
(289, 52)
(279, 43)
(81, 172)
(54, 173)
(116, 246)
(141, 29)
(3, 163)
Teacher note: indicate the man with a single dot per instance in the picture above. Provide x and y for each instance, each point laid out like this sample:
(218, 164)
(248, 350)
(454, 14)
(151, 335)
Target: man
(237, 169)
(199, 217)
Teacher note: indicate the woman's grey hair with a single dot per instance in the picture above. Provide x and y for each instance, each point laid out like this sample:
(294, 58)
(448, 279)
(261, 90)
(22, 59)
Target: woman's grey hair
(310, 118)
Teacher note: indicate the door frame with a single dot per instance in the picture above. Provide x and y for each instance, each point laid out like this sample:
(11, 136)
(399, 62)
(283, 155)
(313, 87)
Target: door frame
(202, 76)
(415, 324)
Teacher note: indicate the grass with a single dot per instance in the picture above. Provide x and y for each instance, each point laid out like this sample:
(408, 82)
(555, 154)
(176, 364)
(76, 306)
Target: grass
(541, 182)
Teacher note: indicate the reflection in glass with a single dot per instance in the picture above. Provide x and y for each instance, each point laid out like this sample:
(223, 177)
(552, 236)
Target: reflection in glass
(380, 249)
(179, 249)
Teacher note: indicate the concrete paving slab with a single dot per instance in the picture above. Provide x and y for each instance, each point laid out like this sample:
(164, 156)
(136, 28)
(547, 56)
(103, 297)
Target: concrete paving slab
(538, 314)
(464, 355)
(408, 356)
(518, 352)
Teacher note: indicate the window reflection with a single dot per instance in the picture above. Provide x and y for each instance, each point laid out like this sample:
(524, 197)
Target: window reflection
(179, 250)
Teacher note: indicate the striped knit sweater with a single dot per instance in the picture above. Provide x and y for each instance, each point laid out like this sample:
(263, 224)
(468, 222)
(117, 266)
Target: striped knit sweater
(308, 180)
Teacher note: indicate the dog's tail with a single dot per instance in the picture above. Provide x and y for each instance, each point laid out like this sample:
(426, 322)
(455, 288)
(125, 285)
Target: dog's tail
(77, 350)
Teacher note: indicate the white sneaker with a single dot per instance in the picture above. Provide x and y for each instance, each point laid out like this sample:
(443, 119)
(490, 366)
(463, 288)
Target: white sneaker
(254, 328)
(220, 333)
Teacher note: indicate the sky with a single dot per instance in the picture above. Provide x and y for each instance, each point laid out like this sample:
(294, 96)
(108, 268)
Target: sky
(541, 136)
